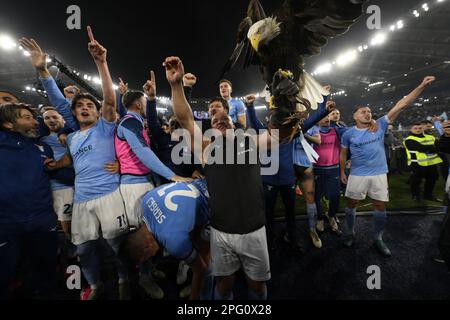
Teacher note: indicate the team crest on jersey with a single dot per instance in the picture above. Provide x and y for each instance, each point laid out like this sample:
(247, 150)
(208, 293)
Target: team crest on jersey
(41, 148)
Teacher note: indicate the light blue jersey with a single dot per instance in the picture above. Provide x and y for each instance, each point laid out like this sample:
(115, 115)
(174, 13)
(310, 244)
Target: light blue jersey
(237, 109)
(91, 150)
(58, 152)
(299, 154)
(368, 157)
(172, 211)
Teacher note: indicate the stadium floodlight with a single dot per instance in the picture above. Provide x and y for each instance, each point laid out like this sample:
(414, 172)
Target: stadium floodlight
(379, 38)
(96, 80)
(425, 7)
(6, 42)
(26, 53)
(347, 57)
(375, 84)
(323, 68)
(28, 88)
(399, 24)
(115, 87)
(392, 28)
(48, 60)
(416, 13)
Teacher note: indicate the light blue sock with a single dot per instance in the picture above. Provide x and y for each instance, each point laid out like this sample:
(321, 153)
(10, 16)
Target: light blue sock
(311, 210)
(350, 217)
(217, 296)
(252, 295)
(379, 223)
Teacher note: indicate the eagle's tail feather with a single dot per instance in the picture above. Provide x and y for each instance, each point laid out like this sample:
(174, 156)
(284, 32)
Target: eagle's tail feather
(311, 90)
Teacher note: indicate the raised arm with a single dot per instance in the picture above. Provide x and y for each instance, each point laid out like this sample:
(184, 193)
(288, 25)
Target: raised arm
(123, 88)
(324, 109)
(181, 108)
(409, 99)
(98, 53)
(39, 61)
(254, 121)
(152, 115)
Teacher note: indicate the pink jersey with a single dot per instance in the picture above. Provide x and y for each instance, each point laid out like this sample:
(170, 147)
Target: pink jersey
(129, 162)
(329, 149)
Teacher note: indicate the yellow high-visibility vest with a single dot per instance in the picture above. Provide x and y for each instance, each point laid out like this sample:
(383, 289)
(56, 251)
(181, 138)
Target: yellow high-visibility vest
(421, 158)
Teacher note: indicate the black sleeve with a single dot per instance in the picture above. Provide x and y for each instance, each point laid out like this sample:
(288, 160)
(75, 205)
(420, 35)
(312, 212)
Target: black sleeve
(43, 129)
(443, 144)
(65, 176)
(66, 130)
(416, 146)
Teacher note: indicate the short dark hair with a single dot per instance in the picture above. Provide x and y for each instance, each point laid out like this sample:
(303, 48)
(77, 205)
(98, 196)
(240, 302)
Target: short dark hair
(224, 102)
(10, 112)
(131, 248)
(227, 81)
(88, 96)
(130, 97)
(9, 92)
(426, 122)
(358, 107)
(47, 108)
(417, 123)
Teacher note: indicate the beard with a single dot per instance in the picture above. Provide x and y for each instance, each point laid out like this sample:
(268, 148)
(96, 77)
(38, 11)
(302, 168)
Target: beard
(30, 133)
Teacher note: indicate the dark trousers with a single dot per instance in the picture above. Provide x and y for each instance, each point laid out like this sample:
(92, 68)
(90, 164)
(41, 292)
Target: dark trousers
(288, 198)
(430, 174)
(34, 244)
(327, 183)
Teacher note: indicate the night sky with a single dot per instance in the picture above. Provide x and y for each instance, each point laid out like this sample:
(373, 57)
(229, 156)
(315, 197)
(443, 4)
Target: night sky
(139, 35)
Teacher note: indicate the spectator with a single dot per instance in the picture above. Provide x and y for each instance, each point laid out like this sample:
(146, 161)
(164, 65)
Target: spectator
(423, 161)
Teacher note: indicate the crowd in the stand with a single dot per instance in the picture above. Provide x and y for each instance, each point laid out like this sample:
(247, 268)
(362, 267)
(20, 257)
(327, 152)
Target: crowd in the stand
(112, 175)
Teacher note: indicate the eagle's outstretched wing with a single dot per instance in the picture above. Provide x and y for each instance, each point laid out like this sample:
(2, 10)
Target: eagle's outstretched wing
(317, 21)
(255, 12)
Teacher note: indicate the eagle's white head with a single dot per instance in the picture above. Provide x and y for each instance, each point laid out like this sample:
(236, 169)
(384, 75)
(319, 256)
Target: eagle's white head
(263, 31)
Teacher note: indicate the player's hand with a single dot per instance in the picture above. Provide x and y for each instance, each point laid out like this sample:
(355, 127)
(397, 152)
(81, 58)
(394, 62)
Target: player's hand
(50, 163)
(197, 175)
(189, 80)
(176, 178)
(327, 87)
(150, 87)
(37, 56)
(97, 51)
(123, 87)
(174, 70)
(63, 139)
(250, 99)
(344, 178)
(113, 167)
(427, 80)
(71, 91)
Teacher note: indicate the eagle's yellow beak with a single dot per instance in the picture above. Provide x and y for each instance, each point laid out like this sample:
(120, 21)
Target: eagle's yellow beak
(255, 40)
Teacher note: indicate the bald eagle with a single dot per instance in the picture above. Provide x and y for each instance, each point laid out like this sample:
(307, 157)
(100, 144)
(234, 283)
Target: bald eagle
(279, 43)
